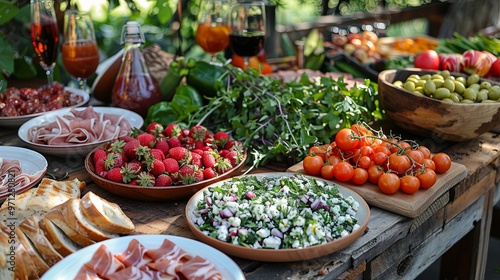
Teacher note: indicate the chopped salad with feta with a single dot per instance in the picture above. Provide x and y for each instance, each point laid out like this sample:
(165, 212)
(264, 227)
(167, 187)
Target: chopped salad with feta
(282, 212)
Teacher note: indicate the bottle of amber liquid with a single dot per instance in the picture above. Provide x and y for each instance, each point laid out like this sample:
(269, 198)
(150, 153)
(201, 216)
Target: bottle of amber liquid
(134, 89)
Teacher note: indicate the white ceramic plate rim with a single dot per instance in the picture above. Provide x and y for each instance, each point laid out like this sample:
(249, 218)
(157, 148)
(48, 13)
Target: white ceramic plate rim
(135, 121)
(362, 214)
(19, 120)
(70, 265)
(31, 163)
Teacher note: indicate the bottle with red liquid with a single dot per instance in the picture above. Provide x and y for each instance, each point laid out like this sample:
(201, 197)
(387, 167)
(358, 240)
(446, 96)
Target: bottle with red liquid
(135, 89)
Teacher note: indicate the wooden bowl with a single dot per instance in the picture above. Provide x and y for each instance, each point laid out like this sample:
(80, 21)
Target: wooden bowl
(168, 193)
(431, 117)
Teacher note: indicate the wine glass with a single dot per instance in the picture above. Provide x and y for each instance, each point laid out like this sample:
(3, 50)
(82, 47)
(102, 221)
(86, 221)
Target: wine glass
(212, 34)
(45, 35)
(80, 54)
(248, 29)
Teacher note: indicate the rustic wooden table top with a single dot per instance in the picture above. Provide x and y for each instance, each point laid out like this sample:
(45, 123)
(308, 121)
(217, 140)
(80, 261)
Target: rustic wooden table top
(383, 251)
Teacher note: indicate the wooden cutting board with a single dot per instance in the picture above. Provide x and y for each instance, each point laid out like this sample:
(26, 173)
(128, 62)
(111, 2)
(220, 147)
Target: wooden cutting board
(407, 205)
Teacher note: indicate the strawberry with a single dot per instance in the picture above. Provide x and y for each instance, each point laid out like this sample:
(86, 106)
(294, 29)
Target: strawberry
(130, 149)
(199, 144)
(209, 173)
(163, 180)
(145, 179)
(126, 138)
(116, 146)
(134, 166)
(99, 154)
(171, 165)
(187, 141)
(181, 154)
(172, 130)
(186, 174)
(197, 159)
(221, 138)
(142, 152)
(115, 175)
(146, 139)
(208, 159)
(198, 175)
(114, 159)
(233, 158)
(100, 167)
(236, 146)
(162, 144)
(197, 151)
(129, 172)
(198, 132)
(155, 128)
(222, 165)
(173, 142)
(156, 167)
(223, 152)
(157, 153)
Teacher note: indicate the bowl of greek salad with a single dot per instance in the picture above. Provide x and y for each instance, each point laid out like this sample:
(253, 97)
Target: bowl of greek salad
(277, 217)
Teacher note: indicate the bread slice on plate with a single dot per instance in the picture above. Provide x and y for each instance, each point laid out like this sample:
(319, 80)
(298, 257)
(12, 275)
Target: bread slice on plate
(58, 238)
(38, 201)
(57, 216)
(107, 215)
(40, 242)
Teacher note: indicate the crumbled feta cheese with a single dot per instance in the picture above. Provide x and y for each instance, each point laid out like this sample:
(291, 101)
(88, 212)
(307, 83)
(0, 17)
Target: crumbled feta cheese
(234, 221)
(272, 242)
(263, 232)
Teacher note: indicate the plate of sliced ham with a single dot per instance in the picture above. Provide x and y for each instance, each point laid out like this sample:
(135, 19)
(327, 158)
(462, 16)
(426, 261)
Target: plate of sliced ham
(77, 131)
(20, 169)
(146, 257)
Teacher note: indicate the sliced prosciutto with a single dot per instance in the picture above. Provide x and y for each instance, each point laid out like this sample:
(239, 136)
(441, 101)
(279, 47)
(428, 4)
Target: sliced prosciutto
(80, 127)
(168, 262)
(12, 177)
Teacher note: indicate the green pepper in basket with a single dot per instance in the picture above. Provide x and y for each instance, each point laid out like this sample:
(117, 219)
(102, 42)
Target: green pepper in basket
(205, 77)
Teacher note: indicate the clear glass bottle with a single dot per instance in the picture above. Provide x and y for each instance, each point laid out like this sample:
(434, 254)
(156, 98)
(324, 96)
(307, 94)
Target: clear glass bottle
(134, 89)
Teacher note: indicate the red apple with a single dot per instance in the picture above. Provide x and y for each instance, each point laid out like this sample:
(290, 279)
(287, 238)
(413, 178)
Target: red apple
(427, 60)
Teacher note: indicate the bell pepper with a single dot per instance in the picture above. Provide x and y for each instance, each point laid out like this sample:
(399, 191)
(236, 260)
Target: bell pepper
(163, 113)
(186, 99)
(206, 78)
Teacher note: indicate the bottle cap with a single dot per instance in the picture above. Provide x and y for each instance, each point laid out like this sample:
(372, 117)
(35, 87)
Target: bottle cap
(133, 27)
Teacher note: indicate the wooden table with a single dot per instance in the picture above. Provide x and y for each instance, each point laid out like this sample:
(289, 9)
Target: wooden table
(455, 227)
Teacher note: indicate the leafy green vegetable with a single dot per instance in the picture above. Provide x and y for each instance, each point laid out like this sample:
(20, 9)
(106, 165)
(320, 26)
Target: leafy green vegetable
(280, 121)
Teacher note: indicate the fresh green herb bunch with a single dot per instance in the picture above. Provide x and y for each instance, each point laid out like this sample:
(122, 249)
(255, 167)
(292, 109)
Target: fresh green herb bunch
(279, 120)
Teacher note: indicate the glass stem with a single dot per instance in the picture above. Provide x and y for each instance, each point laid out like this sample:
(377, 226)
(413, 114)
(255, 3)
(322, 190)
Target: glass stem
(246, 61)
(83, 85)
(50, 76)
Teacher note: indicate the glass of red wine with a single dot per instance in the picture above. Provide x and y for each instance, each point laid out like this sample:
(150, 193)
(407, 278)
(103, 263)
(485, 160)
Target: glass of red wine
(45, 34)
(247, 29)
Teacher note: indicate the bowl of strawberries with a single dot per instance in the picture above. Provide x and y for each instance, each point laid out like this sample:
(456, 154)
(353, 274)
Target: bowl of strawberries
(165, 163)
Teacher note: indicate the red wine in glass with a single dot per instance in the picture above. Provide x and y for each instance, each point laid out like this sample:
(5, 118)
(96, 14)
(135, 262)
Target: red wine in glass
(45, 40)
(247, 44)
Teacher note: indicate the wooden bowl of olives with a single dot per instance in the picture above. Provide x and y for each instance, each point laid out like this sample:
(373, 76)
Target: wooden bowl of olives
(439, 104)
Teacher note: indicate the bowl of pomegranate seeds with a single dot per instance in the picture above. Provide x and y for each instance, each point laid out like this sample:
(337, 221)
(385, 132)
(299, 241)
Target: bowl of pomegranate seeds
(165, 163)
(18, 105)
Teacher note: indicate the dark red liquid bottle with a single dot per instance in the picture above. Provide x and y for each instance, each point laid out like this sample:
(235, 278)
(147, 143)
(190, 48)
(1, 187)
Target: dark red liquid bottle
(135, 89)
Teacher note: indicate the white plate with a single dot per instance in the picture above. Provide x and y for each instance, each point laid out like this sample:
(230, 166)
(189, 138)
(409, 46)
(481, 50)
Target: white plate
(31, 163)
(281, 255)
(82, 150)
(19, 120)
(69, 266)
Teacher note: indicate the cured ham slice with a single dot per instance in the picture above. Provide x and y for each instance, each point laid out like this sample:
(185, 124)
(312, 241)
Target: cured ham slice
(168, 262)
(103, 262)
(80, 127)
(11, 175)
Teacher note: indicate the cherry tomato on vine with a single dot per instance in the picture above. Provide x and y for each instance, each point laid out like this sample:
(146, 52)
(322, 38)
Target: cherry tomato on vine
(364, 162)
(312, 165)
(333, 160)
(327, 172)
(425, 151)
(380, 158)
(382, 149)
(409, 184)
(343, 171)
(319, 150)
(416, 155)
(429, 164)
(346, 140)
(374, 173)
(427, 178)
(360, 176)
(389, 183)
(399, 163)
(442, 161)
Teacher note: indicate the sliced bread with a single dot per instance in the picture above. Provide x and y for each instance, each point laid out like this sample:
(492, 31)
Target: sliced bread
(58, 238)
(38, 201)
(108, 215)
(75, 218)
(40, 242)
(56, 216)
(39, 263)
(7, 257)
